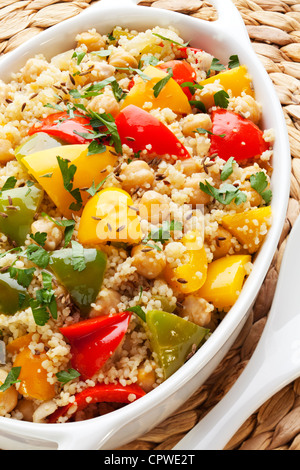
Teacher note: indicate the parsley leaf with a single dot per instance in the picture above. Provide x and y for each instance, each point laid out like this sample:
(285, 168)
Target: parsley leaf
(162, 83)
(78, 260)
(98, 120)
(150, 60)
(11, 379)
(227, 169)
(66, 376)
(39, 237)
(259, 183)
(233, 62)
(38, 256)
(225, 195)
(119, 94)
(221, 99)
(9, 183)
(192, 86)
(163, 233)
(216, 66)
(79, 56)
(94, 189)
(40, 313)
(138, 311)
(164, 38)
(23, 276)
(69, 226)
(205, 131)
(68, 173)
(199, 105)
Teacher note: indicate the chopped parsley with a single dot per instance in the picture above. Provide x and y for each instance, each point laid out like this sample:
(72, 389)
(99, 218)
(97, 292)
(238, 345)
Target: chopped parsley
(66, 376)
(44, 303)
(163, 233)
(69, 226)
(11, 379)
(39, 237)
(164, 38)
(192, 86)
(225, 194)
(94, 189)
(37, 255)
(198, 104)
(227, 169)
(78, 259)
(23, 276)
(162, 83)
(68, 173)
(200, 130)
(221, 99)
(215, 66)
(259, 183)
(137, 309)
(79, 56)
(10, 183)
(233, 62)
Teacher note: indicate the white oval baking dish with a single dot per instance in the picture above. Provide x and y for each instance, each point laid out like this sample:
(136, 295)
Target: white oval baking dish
(221, 38)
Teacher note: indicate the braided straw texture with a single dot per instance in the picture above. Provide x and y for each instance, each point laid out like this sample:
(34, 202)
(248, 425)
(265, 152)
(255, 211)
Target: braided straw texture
(274, 29)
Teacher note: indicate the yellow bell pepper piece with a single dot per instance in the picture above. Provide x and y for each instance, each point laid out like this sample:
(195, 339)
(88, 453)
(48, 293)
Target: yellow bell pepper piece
(44, 167)
(171, 96)
(237, 80)
(191, 276)
(224, 281)
(33, 376)
(118, 33)
(250, 227)
(108, 216)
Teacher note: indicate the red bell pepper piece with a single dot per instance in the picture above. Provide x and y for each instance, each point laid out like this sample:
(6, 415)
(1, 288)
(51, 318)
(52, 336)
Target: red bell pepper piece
(243, 140)
(182, 72)
(108, 393)
(141, 131)
(184, 51)
(94, 340)
(60, 125)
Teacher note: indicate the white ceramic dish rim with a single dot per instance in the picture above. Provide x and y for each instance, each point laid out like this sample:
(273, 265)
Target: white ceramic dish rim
(93, 433)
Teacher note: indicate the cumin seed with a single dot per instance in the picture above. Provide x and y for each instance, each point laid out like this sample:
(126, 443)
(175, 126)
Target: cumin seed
(8, 101)
(33, 96)
(13, 208)
(72, 80)
(23, 107)
(119, 229)
(2, 214)
(10, 200)
(109, 226)
(145, 250)
(189, 216)
(96, 218)
(133, 208)
(182, 281)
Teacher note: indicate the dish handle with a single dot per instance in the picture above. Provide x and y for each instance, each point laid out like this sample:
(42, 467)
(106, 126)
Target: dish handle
(230, 20)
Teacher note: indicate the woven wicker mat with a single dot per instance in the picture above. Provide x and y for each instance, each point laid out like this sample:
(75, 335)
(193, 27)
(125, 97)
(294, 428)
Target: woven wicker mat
(274, 28)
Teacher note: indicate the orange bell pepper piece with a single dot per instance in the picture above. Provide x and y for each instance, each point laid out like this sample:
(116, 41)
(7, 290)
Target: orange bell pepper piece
(191, 276)
(170, 96)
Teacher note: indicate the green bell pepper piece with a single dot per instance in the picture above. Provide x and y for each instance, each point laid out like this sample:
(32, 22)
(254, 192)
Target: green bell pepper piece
(13, 297)
(35, 143)
(18, 207)
(172, 338)
(83, 286)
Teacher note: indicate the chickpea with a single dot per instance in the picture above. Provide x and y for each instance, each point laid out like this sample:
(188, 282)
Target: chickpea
(8, 398)
(121, 58)
(26, 407)
(154, 207)
(148, 261)
(53, 231)
(146, 379)
(189, 167)
(137, 174)
(108, 300)
(104, 103)
(44, 410)
(6, 152)
(254, 197)
(194, 121)
(91, 39)
(100, 71)
(222, 243)
(197, 196)
(197, 310)
(248, 107)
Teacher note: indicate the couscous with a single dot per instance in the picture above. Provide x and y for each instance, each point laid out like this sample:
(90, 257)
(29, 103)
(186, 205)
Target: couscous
(135, 192)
